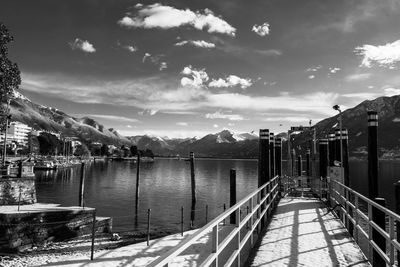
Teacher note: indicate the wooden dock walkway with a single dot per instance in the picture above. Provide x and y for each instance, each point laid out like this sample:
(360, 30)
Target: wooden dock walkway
(303, 233)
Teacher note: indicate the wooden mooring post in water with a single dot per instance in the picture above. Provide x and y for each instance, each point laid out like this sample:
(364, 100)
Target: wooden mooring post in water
(82, 186)
(331, 149)
(308, 163)
(323, 157)
(299, 165)
(137, 180)
(272, 154)
(232, 195)
(278, 156)
(293, 160)
(263, 163)
(193, 186)
(373, 154)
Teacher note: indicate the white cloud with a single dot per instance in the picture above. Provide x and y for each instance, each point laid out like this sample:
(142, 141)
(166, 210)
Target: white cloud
(382, 55)
(311, 77)
(196, 43)
(163, 65)
(109, 117)
(364, 95)
(197, 79)
(130, 48)
(182, 123)
(215, 126)
(167, 17)
(334, 69)
(220, 115)
(289, 119)
(230, 81)
(146, 55)
(231, 124)
(82, 45)
(314, 69)
(357, 77)
(149, 112)
(262, 29)
(391, 91)
(163, 95)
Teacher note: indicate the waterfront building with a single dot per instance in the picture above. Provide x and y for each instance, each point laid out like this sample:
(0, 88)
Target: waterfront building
(17, 132)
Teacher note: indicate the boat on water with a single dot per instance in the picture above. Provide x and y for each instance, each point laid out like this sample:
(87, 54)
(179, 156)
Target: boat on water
(44, 165)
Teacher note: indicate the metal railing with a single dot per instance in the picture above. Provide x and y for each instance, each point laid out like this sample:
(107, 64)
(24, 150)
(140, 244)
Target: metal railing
(261, 202)
(354, 213)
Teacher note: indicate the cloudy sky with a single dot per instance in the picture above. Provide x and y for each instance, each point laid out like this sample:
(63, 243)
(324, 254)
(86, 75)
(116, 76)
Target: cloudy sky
(187, 68)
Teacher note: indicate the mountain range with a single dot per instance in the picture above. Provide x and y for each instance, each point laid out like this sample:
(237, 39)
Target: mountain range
(225, 144)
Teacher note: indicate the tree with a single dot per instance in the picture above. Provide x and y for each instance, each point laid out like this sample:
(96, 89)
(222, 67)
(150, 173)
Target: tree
(49, 144)
(104, 150)
(133, 150)
(10, 76)
(82, 151)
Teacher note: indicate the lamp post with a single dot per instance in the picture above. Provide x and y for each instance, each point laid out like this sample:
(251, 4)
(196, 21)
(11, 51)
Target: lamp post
(337, 108)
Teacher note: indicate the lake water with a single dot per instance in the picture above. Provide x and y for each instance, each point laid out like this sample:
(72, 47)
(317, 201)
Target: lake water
(165, 187)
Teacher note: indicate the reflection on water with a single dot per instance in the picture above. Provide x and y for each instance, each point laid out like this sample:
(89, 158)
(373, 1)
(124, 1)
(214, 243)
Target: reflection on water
(165, 187)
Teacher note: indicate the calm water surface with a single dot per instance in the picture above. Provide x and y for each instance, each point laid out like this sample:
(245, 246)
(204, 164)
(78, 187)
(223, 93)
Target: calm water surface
(165, 187)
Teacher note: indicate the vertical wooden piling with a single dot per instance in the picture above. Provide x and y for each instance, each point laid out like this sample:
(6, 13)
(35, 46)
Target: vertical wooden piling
(182, 221)
(379, 218)
(263, 157)
(323, 157)
(331, 149)
(299, 165)
(373, 154)
(397, 209)
(137, 179)
(293, 160)
(308, 163)
(232, 201)
(193, 186)
(278, 156)
(345, 151)
(93, 234)
(264, 165)
(148, 226)
(82, 185)
(192, 176)
(337, 146)
(272, 154)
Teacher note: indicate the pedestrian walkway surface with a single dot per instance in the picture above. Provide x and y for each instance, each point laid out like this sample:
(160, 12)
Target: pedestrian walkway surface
(302, 233)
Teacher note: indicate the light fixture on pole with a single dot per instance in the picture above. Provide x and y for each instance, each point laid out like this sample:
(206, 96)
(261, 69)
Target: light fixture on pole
(337, 108)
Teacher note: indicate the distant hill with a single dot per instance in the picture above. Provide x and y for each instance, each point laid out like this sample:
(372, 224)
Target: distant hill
(355, 120)
(225, 144)
(53, 120)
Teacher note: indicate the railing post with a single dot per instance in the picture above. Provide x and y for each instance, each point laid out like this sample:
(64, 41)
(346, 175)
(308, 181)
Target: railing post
(93, 234)
(238, 214)
(233, 194)
(378, 217)
(148, 227)
(251, 220)
(214, 243)
(397, 195)
(392, 237)
(370, 249)
(182, 221)
(356, 217)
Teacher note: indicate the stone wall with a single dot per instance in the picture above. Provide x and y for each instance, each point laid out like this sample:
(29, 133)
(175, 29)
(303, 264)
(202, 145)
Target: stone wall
(20, 231)
(14, 190)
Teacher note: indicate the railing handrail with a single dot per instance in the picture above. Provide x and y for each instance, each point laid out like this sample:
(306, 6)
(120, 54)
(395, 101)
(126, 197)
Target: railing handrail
(168, 256)
(373, 203)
